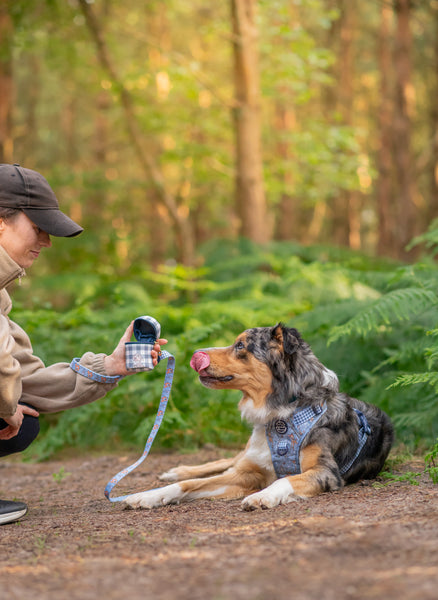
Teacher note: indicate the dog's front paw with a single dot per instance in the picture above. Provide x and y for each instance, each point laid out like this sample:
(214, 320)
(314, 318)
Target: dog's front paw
(170, 494)
(280, 492)
(170, 476)
(258, 500)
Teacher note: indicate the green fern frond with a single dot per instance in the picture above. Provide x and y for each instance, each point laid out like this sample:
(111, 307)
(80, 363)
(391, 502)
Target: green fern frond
(430, 378)
(421, 275)
(431, 355)
(429, 239)
(321, 318)
(413, 420)
(412, 350)
(395, 305)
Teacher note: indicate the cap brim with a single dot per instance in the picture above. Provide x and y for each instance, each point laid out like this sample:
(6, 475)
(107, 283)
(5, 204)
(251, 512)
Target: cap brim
(53, 221)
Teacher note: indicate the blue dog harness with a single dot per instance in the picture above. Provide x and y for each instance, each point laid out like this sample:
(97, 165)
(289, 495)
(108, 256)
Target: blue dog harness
(286, 436)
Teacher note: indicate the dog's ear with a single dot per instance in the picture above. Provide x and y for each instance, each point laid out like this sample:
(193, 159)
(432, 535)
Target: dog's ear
(286, 337)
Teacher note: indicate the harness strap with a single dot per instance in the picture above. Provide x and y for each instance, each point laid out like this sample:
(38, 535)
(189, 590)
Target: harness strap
(364, 432)
(167, 386)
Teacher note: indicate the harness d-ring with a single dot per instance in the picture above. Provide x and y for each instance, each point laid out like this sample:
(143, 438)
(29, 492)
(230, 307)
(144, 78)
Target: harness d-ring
(167, 386)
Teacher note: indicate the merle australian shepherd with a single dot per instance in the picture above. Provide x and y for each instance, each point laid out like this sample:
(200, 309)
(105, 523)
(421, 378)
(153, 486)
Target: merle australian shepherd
(308, 438)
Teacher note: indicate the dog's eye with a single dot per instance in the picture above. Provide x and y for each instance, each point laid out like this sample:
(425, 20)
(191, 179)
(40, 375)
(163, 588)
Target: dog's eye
(240, 345)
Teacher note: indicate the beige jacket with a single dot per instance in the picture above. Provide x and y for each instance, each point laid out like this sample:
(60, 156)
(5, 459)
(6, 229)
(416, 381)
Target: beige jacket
(23, 376)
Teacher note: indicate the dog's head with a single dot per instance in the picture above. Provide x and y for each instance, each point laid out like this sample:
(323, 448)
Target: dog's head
(271, 365)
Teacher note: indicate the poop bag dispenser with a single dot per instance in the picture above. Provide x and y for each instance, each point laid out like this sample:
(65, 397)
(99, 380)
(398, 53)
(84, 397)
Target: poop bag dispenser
(138, 354)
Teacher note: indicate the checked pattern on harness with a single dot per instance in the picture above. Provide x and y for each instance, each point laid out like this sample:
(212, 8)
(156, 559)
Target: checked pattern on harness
(285, 438)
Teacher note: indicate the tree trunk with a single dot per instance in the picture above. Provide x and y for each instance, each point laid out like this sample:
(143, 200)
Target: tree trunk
(433, 210)
(28, 147)
(287, 210)
(145, 155)
(250, 195)
(6, 86)
(384, 190)
(404, 104)
(346, 207)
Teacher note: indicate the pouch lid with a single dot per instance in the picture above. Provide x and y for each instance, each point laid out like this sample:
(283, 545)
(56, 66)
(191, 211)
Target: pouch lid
(146, 329)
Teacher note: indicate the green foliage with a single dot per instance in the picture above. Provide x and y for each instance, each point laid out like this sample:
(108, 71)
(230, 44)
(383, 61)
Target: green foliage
(60, 475)
(175, 61)
(396, 305)
(402, 328)
(429, 239)
(411, 477)
(379, 318)
(431, 460)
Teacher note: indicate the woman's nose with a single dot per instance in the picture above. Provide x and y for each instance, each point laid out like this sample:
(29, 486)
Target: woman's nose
(44, 239)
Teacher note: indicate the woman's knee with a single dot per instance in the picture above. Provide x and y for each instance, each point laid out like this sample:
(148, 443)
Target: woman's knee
(29, 430)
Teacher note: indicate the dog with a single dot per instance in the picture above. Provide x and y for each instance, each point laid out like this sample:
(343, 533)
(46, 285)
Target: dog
(307, 438)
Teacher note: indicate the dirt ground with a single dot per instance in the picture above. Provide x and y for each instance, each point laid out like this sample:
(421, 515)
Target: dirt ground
(367, 541)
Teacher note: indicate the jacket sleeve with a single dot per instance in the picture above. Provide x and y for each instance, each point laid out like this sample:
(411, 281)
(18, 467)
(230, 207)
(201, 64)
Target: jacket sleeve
(56, 387)
(10, 371)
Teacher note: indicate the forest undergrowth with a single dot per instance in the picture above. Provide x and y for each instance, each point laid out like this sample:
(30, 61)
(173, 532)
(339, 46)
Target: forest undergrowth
(372, 321)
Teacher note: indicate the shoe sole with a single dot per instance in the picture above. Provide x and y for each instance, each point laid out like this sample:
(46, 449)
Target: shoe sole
(12, 516)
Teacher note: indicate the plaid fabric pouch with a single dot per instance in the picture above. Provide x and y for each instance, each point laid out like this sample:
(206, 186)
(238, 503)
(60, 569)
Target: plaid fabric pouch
(138, 354)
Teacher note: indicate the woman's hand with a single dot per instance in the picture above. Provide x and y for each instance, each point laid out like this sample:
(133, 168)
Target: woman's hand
(115, 362)
(14, 422)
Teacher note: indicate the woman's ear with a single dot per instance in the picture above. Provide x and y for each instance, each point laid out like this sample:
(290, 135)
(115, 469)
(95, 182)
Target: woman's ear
(2, 224)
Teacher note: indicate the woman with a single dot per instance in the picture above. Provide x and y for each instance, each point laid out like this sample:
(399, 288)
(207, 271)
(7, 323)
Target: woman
(29, 215)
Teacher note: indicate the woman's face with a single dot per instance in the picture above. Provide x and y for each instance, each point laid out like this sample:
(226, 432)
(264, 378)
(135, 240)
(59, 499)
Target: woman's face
(22, 239)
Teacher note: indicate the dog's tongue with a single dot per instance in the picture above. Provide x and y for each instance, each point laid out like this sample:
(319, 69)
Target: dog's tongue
(200, 361)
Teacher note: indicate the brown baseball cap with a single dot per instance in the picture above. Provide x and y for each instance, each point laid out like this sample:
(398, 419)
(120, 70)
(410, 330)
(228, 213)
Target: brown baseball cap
(30, 192)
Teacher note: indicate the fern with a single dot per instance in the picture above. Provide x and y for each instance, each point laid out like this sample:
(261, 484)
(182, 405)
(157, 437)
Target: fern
(431, 461)
(406, 353)
(429, 239)
(430, 378)
(381, 317)
(395, 305)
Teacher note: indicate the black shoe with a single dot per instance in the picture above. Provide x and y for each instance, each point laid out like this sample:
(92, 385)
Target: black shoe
(11, 511)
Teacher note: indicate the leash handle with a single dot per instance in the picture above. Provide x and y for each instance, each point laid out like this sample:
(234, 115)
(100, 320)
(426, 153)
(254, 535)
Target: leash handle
(167, 386)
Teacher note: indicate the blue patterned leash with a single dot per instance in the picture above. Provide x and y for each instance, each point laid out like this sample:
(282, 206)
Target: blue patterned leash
(167, 386)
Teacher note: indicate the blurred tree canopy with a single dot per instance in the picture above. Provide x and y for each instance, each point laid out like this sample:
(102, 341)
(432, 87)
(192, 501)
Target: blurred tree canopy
(161, 125)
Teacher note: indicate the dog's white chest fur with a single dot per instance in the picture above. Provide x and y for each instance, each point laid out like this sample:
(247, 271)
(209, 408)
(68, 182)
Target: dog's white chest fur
(258, 451)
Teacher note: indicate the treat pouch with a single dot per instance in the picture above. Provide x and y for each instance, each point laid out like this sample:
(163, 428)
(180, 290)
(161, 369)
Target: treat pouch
(138, 354)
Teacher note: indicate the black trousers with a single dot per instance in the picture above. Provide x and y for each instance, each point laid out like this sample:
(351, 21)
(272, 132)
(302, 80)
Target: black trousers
(29, 429)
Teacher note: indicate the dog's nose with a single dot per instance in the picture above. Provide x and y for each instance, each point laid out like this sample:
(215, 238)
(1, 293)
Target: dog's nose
(200, 360)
